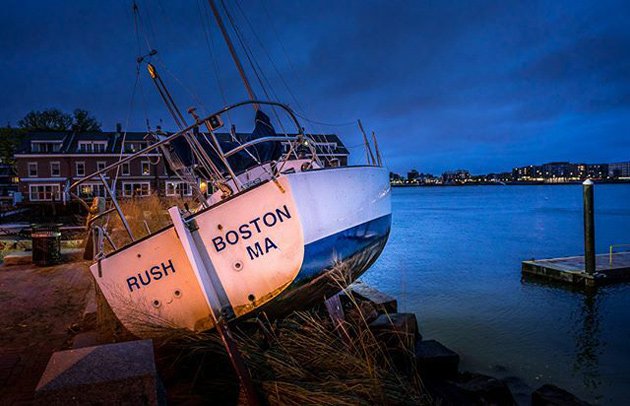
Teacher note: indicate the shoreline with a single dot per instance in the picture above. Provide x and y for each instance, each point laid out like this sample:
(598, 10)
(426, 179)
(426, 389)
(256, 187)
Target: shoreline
(600, 182)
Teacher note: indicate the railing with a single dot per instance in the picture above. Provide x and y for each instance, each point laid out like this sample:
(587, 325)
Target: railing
(611, 251)
(188, 131)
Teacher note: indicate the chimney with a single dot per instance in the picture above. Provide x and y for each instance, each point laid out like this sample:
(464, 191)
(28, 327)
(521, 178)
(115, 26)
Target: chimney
(119, 128)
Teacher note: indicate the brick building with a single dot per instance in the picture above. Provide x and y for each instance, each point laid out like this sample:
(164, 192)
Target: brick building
(47, 162)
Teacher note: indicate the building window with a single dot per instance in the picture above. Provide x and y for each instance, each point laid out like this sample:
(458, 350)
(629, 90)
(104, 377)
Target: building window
(80, 168)
(131, 147)
(146, 168)
(55, 169)
(43, 146)
(178, 188)
(100, 165)
(41, 193)
(136, 189)
(125, 169)
(89, 190)
(32, 169)
(92, 146)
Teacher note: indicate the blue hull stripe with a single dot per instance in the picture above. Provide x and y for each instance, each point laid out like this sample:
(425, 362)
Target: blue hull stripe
(322, 254)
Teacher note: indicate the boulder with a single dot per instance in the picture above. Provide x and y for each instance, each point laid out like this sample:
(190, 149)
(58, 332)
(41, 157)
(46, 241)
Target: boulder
(485, 390)
(383, 302)
(396, 329)
(436, 361)
(551, 395)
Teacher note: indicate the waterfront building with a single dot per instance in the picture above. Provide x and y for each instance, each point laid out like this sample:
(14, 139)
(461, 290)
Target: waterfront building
(47, 162)
(558, 172)
(456, 176)
(396, 179)
(412, 176)
(592, 171)
(8, 184)
(619, 170)
(527, 173)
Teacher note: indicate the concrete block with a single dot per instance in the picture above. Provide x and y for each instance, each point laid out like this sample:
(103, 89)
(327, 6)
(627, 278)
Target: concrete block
(383, 302)
(436, 361)
(18, 258)
(485, 390)
(122, 373)
(551, 395)
(26, 257)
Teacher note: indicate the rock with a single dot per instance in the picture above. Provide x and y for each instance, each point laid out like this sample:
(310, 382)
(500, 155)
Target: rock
(445, 393)
(383, 302)
(397, 333)
(436, 361)
(485, 390)
(122, 373)
(551, 395)
(363, 310)
(86, 339)
(396, 329)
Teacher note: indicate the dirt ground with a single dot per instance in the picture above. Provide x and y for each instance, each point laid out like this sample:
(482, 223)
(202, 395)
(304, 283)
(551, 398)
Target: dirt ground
(39, 312)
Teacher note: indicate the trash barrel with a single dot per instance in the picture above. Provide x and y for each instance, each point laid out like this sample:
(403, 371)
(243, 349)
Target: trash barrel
(46, 240)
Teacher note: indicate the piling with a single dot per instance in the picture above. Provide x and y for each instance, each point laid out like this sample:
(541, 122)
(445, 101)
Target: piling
(589, 227)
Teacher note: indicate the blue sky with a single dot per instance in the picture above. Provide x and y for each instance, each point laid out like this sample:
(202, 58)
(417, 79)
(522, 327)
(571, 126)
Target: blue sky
(479, 85)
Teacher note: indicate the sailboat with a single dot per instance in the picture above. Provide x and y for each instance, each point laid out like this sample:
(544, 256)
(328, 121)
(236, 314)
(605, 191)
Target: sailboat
(280, 231)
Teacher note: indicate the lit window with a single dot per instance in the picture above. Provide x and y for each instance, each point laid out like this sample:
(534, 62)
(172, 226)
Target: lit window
(146, 168)
(178, 189)
(89, 190)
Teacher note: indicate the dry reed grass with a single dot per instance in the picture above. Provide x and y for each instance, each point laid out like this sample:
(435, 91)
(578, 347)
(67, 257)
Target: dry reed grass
(305, 359)
(144, 215)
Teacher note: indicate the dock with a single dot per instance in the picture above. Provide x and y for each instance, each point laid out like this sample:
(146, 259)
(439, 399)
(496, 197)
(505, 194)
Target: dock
(608, 269)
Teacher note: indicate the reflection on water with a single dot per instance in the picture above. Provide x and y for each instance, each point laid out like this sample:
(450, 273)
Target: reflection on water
(587, 342)
(454, 259)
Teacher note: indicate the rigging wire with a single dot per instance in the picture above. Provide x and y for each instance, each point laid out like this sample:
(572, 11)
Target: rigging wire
(205, 24)
(284, 50)
(268, 55)
(291, 67)
(344, 124)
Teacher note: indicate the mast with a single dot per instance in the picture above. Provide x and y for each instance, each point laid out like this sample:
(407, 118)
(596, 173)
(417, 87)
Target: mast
(237, 61)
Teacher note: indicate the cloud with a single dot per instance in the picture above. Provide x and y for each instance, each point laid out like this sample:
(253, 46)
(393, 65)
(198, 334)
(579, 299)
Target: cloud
(442, 83)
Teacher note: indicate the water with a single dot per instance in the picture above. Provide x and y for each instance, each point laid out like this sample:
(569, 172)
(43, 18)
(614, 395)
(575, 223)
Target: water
(454, 259)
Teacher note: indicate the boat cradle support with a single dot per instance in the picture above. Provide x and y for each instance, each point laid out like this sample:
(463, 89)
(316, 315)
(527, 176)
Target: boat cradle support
(218, 303)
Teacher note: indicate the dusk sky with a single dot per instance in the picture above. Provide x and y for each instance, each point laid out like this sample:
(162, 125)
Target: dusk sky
(478, 85)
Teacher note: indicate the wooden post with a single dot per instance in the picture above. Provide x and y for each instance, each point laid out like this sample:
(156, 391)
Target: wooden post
(589, 227)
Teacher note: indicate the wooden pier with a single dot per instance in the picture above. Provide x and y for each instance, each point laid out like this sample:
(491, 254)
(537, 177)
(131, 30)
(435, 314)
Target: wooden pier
(572, 269)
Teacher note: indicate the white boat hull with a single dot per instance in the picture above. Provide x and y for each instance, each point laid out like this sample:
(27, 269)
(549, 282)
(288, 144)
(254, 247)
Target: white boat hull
(273, 247)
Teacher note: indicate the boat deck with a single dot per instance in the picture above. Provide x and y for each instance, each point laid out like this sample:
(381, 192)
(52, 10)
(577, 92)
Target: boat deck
(571, 269)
